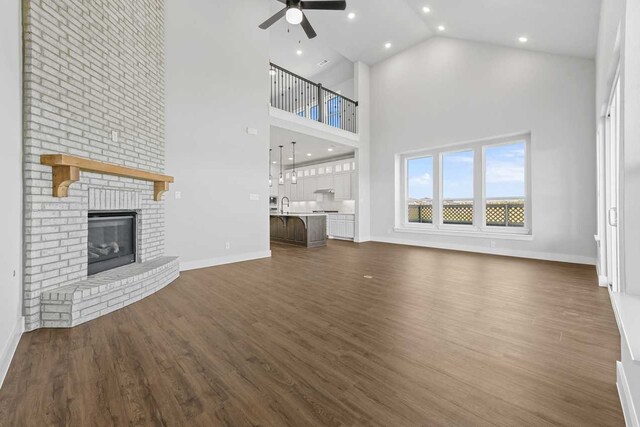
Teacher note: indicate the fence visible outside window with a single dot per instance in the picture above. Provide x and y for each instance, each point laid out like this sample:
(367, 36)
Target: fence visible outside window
(482, 187)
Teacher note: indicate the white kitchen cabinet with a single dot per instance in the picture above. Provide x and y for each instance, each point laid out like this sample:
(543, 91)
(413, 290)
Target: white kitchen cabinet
(342, 185)
(341, 226)
(350, 229)
(325, 182)
(338, 228)
(339, 176)
(310, 186)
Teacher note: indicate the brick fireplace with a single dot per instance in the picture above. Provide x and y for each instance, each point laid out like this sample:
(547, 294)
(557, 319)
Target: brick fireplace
(93, 87)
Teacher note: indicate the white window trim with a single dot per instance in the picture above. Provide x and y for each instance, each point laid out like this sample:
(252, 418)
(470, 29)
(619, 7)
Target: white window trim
(479, 227)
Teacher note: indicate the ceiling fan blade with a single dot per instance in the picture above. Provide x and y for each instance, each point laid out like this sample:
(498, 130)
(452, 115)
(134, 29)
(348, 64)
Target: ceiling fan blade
(306, 26)
(269, 22)
(323, 5)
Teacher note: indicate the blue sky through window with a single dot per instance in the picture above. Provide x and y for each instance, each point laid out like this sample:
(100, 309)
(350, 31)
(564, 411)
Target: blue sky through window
(420, 174)
(457, 175)
(505, 171)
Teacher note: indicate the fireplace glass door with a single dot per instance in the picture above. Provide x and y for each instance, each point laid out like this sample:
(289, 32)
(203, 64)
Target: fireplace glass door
(112, 240)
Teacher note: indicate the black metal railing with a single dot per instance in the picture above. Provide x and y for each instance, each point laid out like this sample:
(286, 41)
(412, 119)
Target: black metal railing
(297, 95)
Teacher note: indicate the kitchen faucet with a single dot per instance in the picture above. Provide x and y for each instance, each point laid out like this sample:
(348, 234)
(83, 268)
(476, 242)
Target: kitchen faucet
(282, 204)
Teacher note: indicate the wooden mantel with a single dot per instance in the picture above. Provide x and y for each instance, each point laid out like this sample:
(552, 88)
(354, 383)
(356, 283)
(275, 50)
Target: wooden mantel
(66, 171)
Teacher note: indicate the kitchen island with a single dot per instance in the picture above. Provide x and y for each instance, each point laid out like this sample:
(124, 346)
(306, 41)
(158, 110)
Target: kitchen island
(302, 229)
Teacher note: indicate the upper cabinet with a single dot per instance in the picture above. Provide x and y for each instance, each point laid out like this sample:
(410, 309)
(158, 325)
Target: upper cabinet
(342, 185)
(338, 175)
(325, 181)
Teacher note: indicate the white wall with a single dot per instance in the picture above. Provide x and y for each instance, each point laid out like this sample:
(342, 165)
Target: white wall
(362, 83)
(11, 324)
(446, 91)
(217, 87)
(339, 77)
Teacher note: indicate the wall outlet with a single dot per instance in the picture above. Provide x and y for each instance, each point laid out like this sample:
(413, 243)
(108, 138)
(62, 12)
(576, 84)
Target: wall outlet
(254, 196)
(227, 245)
(114, 135)
(178, 195)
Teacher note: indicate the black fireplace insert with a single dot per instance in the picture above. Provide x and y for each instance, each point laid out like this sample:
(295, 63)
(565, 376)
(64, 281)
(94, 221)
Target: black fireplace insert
(112, 240)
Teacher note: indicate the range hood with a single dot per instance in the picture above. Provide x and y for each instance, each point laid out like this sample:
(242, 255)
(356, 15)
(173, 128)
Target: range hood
(324, 191)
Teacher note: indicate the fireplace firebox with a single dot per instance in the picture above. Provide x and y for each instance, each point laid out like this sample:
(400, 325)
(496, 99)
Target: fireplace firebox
(112, 240)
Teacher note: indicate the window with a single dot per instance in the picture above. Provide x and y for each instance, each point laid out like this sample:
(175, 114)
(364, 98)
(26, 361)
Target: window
(476, 188)
(505, 178)
(313, 113)
(419, 197)
(457, 188)
(334, 105)
(309, 111)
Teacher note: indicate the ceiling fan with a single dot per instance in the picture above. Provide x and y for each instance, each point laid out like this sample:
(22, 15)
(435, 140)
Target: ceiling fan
(294, 15)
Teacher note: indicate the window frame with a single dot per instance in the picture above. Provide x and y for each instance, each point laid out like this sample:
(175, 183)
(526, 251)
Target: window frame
(479, 227)
(441, 223)
(405, 192)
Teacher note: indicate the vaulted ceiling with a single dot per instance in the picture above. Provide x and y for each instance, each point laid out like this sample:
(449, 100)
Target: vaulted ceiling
(567, 27)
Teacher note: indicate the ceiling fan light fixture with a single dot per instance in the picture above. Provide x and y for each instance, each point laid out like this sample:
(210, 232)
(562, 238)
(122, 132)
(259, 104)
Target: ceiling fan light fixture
(294, 16)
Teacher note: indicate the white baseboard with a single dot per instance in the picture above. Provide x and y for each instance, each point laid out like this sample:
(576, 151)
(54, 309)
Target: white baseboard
(546, 256)
(212, 262)
(7, 353)
(628, 409)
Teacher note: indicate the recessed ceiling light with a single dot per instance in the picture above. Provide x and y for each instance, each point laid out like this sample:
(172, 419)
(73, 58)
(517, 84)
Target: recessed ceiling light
(274, 162)
(298, 52)
(330, 149)
(351, 15)
(272, 72)
(387, 45)
(523, 39)
(441, 28)
(290, 158)
(426, 9)
(308, 154)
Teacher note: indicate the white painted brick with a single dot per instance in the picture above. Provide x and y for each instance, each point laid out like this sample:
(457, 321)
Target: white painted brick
(72, 102)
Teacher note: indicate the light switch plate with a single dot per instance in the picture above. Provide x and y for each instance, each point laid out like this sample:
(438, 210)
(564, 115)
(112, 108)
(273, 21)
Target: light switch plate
(252, 131)
(178, 195)
(254, 196)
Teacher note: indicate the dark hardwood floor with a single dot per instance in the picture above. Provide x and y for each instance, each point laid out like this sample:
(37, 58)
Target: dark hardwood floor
(303, 339)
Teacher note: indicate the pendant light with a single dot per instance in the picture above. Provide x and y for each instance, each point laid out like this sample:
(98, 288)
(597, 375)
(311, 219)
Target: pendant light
(281, 179)
(294, 175)
(270, 176)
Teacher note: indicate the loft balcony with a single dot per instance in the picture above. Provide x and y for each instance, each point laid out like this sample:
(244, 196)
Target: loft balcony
(304, 98)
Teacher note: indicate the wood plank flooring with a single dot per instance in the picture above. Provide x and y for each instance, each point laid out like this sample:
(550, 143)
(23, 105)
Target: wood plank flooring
(434, 338)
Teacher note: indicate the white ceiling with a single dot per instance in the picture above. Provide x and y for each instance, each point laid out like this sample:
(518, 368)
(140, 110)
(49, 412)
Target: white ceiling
(305, 144)
(567, 27)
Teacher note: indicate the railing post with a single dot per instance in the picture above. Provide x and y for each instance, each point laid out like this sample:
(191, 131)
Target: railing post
(320, 104)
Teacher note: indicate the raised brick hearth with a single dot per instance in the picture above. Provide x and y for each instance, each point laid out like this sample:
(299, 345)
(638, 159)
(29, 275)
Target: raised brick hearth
(105, 292)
